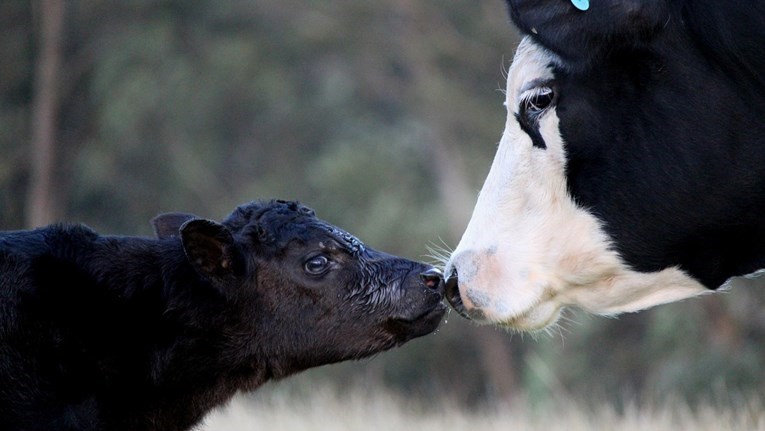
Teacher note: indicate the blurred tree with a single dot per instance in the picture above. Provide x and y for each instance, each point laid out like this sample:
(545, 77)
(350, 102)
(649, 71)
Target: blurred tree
(41, 201)
(425, 89)
(16, 50)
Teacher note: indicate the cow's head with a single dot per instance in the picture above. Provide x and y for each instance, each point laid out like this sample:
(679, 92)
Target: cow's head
(625, 178)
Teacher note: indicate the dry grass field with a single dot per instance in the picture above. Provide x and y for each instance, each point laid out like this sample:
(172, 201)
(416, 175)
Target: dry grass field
(366, 409)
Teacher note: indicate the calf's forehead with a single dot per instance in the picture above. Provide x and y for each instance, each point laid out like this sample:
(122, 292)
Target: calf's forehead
(281, 222)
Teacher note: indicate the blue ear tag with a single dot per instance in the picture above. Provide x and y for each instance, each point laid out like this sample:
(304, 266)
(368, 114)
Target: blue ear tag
(581, 4)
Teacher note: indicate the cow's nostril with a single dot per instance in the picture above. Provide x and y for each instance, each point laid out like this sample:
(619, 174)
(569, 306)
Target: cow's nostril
(453, 294)
(432, 278)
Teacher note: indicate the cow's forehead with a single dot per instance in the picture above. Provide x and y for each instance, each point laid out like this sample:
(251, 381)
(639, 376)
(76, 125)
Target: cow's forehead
(532, 66)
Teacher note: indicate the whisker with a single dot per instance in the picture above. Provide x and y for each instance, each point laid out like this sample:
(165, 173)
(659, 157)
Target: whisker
(504, 68)
(438, 254)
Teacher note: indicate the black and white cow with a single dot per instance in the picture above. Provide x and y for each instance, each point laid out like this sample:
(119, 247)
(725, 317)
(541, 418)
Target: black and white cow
(631, 171)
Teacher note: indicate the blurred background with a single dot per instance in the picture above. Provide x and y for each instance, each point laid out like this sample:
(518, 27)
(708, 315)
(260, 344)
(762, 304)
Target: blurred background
(381, 115)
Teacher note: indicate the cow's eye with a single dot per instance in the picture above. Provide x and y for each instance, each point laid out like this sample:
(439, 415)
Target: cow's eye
(535, 101)
(317, 265)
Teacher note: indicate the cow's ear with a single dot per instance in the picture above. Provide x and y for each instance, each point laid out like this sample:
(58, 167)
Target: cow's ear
(211, 250)
(168, 225)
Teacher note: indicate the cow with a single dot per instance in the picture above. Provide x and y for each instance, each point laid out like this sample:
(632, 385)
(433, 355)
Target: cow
(131, 333)
(631, 170)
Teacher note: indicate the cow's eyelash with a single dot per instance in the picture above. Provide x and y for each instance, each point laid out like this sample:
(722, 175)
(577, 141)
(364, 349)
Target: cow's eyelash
(529, 95)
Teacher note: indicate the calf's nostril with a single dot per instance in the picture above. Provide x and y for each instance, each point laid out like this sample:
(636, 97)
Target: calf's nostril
(432, 278)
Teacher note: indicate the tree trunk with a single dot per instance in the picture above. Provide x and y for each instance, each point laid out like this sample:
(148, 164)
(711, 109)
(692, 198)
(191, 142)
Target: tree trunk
(453, 185)
(41, 199)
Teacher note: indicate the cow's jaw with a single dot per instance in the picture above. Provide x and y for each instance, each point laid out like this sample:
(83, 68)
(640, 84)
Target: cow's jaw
(529, 250)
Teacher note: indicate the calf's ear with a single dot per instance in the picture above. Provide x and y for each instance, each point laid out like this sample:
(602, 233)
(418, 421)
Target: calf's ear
(210, 248)
(168, 225)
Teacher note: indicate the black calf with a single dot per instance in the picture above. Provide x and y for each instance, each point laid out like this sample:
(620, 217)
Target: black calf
(126, 333)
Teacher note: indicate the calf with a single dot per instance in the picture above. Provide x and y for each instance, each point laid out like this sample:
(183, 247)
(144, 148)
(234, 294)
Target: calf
(127, 333)
(631, 171)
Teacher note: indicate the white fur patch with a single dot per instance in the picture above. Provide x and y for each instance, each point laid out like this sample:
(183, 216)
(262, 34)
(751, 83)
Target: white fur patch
(529, 250)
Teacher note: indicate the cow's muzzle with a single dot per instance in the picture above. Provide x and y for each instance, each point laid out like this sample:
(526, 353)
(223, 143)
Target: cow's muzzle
(453, 294)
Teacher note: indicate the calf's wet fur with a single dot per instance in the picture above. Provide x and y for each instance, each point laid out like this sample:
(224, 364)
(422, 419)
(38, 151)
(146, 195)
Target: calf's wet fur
(129, 333)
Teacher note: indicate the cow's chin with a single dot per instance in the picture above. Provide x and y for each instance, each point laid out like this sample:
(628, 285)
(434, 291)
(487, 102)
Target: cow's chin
(501, 309)
(536, 318)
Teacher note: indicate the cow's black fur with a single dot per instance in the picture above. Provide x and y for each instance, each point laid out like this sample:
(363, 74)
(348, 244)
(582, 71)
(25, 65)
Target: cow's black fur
(662, 111)
(127, 333)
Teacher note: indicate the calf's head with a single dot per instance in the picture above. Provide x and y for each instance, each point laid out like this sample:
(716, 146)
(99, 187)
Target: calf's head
(306, 292)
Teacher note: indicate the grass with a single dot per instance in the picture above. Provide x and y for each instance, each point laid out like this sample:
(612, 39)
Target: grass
(319, 409)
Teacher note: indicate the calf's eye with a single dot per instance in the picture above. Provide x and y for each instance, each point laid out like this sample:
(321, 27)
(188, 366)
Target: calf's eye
(316, 265)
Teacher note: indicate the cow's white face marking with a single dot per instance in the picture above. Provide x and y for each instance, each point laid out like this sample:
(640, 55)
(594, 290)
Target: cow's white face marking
(529, 250)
